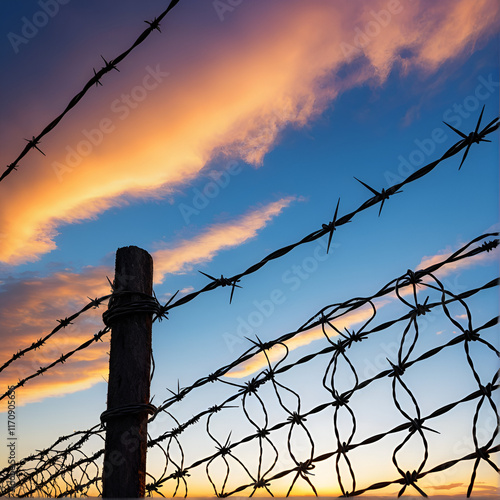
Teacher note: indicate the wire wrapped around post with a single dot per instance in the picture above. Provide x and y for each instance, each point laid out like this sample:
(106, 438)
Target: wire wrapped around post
(130, 317)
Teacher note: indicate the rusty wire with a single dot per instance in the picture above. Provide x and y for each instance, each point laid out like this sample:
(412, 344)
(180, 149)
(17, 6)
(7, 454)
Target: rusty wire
(65, 462)
(110, 65)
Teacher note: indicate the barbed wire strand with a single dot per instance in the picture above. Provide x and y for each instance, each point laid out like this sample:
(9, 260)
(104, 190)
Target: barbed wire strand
(110, 65)
(63, 323)
(294, 416)
(379, 197)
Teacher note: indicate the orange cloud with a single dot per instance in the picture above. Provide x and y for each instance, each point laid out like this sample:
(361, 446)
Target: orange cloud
(217, 237)
(446, 486)
(29, 309)
(30, 306)
(274, 68)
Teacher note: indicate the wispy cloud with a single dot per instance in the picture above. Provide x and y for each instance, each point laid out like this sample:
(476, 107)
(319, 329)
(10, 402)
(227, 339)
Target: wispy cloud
(256, 83)
(450, 486)
(30, 306)
(482, 258)
(202, 248)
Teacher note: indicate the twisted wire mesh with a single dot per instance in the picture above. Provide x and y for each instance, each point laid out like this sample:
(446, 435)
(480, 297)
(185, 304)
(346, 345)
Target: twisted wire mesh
(162, 311)
(285, 412)
(474, 137)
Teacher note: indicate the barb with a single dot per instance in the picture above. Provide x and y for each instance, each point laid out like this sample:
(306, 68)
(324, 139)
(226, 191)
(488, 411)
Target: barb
(95, 80)
(94, 303)
(62, 359)
(289, 416)
(379, 197)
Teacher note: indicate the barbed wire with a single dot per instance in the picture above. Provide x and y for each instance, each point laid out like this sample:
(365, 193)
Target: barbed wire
(474, 137)
(110, 65)
(340, 401)
(346, 307)
(63, 323)
(295, 417)
(62, 359)
(148, 304)
(466, 142)
(31, 479)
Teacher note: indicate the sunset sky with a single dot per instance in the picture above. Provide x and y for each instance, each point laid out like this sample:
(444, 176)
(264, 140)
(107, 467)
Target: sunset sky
(231, 133)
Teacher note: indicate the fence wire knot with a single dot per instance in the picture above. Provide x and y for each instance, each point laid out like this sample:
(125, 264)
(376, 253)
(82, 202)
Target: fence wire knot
(261, 483)
(414, 277)
(341, 399)
(474, 137)
(421, 309)
(471, 335)
(225, 449)
(397, 370)
(154, 24)
(252, 386)
(224, 282)
(296, 418)
(109, 65)
(410, 479)
(343, 448)
(483, 453)
(416, 426)
(339, 346)
(176, 431)
(35, 345)
(380, 196)
(179, 473)
(33, 143)
(354, 337)
(486, 390)
(64, 322)
(262, 433)
(97, 79)
(96, 302)
(305, 467)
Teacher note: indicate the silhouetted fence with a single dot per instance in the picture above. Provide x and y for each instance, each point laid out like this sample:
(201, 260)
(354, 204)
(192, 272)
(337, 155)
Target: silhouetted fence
(281, 410)
(272, 415)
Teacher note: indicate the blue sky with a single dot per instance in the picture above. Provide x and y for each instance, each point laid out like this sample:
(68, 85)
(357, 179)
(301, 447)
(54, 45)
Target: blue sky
(228, 135)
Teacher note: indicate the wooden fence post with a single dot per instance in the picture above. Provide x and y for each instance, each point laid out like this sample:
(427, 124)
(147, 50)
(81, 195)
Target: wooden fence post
(124, 470)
